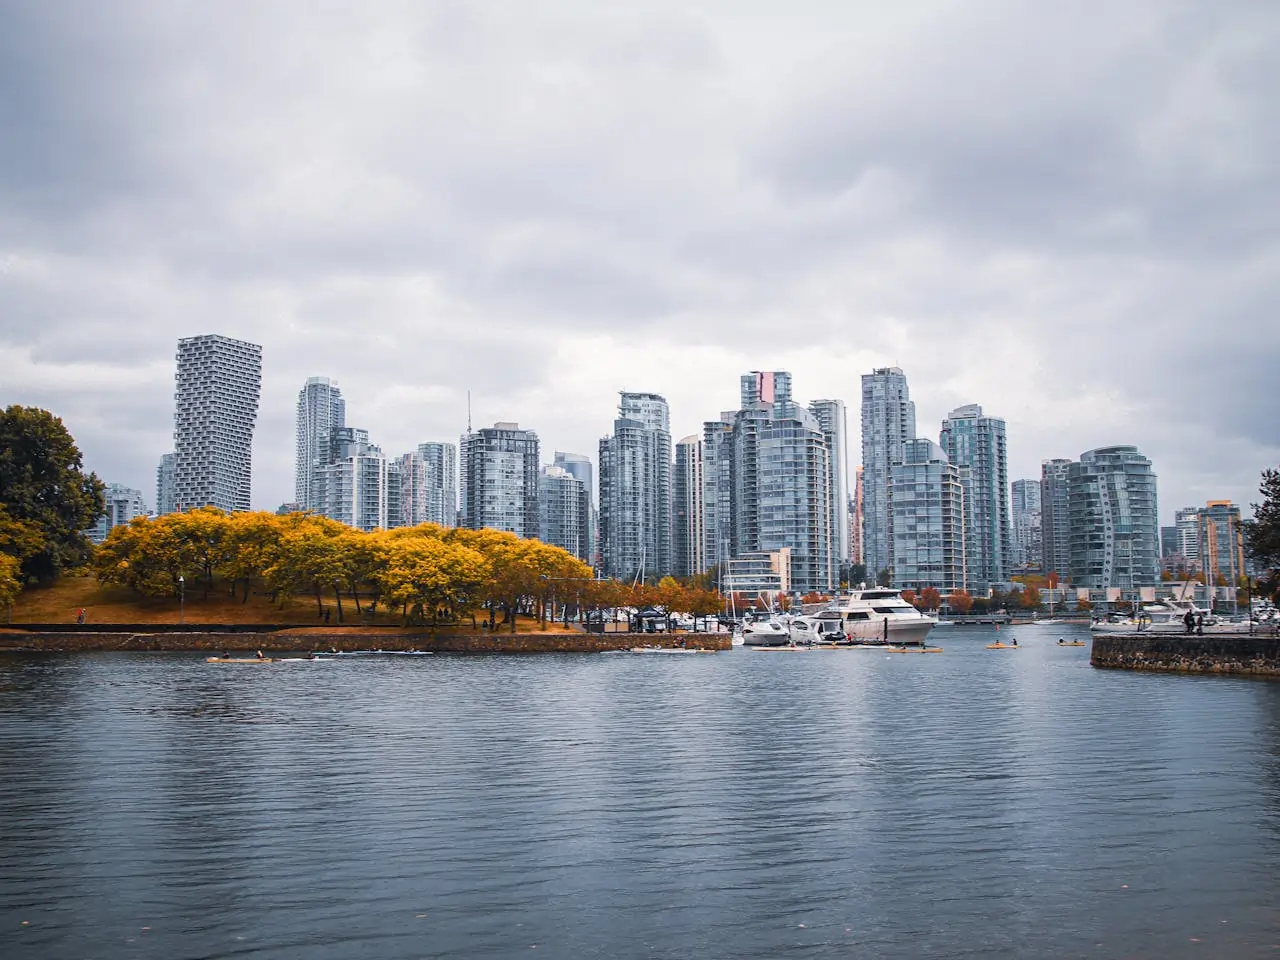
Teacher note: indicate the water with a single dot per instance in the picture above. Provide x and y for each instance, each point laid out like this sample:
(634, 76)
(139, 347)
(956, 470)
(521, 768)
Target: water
(972, 803)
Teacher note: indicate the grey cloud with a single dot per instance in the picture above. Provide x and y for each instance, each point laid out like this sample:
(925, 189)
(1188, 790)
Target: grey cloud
(424, 198)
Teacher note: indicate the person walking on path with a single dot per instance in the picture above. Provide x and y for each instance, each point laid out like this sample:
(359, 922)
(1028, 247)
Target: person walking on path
(1190, 621)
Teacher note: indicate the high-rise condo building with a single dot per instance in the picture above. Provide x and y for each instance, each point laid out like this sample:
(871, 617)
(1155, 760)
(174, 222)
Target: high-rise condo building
(122, 505)
(855, 521)
(166, 501)
(215, 409)
(321, 410)
(1221, 541)
(1027, 541)
(766, 483)
(717, 490)
(498, 469)
(834, 421)
(354, 481)
(928, 498)
(580, 466)
(441, 460)
(688, 538)
(1112, 513)
(1186, 521)
(888, 419)
(973, 440)
(564, 511)
(635, 490)
(1055, 524)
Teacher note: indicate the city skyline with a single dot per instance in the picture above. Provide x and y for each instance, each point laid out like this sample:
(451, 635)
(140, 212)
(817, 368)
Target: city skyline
(149, 485)
(1057, 238)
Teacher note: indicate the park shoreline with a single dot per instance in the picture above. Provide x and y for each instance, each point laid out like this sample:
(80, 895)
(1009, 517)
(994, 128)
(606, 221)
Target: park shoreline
(103, 639)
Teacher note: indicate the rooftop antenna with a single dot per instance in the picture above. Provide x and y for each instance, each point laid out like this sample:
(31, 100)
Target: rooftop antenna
(468, 411)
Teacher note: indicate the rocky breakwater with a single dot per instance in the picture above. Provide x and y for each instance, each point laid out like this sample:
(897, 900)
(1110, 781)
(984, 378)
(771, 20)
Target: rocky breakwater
(1232, 653)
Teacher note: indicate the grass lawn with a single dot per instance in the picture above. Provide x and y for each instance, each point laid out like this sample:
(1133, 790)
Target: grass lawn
(61, 601)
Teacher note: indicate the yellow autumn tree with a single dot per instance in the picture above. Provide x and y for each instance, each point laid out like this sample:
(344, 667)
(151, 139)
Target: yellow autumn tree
(10, 582)
(427, 578)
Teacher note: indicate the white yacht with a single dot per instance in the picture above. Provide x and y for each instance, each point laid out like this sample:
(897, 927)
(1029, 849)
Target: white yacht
(1164, 616)
(867, 615)
(765, 633)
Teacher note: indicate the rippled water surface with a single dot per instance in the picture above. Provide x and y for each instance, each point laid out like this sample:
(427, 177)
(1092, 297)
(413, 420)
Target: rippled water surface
(821, 804)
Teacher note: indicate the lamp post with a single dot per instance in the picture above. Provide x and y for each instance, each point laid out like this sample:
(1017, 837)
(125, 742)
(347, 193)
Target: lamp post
(182, 598)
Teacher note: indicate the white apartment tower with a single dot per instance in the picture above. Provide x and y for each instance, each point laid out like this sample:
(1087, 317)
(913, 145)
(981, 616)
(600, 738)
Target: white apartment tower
(122, 505)
(888, 420)
(972, 439)
(165, 501)
(834, 421)
(215, 408)
(688, 536)
(321, 410)
(442, 482)
(353, 481)
(635, 489)
(498, 470)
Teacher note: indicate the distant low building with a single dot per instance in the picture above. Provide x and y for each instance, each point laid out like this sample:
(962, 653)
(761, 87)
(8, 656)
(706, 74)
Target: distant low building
(764, 573)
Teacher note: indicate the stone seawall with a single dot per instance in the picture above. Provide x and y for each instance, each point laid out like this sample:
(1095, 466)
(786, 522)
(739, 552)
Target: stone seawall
(1238, 653)
(15, 640)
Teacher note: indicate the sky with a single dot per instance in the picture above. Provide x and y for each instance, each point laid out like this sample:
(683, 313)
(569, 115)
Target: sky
(1068, 213)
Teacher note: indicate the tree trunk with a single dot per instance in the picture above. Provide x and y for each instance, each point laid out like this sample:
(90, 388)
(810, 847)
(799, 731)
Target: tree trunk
(246, 590)
(337, 595)
(355, 595)
(319, 606)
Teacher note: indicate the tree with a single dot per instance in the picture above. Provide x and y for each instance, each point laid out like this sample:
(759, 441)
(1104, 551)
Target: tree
(930, 598)
(960, 601)
(10, 586)
(1262, 533)
(1031, 599)
(42, 483)
(911, 597)
(884, 578)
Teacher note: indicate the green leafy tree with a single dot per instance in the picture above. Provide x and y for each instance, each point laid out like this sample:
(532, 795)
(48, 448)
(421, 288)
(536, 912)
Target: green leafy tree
(1262, 533)
(42, 484)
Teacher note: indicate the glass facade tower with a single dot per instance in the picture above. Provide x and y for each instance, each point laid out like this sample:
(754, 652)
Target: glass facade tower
(977, 442)
(888, 420)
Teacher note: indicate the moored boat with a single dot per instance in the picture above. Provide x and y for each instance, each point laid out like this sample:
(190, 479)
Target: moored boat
(867, 615)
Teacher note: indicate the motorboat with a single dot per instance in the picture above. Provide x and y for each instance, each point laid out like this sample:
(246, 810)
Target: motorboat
(867, 615)
(766, 633)
(1166, 616)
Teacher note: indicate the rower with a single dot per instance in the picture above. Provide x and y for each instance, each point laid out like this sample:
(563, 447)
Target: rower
(260, 656)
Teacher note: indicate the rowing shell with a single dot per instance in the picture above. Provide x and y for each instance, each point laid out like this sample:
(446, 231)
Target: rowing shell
(239, 660)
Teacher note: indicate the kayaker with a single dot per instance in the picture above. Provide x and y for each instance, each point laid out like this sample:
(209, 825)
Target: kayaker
(260, 656)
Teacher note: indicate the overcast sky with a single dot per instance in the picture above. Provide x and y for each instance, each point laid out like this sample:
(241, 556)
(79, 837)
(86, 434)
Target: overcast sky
(1067, 213)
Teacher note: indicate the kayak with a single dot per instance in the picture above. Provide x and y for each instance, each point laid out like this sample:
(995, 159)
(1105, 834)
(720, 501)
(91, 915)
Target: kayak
(239, 660)
(669, 650)
(1002, 646)
(1071, 643)
(912, 649)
